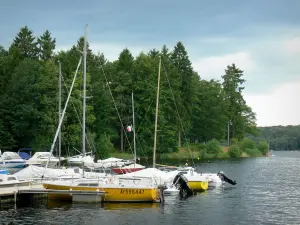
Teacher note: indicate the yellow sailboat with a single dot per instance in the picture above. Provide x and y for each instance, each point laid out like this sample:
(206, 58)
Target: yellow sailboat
(113, 193)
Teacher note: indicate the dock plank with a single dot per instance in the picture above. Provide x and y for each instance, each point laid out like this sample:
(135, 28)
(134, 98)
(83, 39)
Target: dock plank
(12, 190)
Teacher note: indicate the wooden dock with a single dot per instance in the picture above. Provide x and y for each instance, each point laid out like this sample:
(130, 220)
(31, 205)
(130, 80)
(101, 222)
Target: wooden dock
(48, 191)
(14, 194)
(12, 190)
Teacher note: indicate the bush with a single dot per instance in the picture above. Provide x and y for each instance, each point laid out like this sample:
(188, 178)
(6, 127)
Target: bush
(234, 141)
(202, 153)
(105, 147)
(263, 147)
(253, 152)
(234, 151)
(213, 147)
(247, 143)
(223, 155)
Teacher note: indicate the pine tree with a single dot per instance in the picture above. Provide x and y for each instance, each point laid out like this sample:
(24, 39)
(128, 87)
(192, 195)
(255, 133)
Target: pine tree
(46, 46)
(121, 84)
(187, 89)
(238, 112)
(26, 44)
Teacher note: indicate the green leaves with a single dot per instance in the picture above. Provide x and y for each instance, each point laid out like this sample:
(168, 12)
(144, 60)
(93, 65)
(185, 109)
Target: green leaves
(190, 109)
(213, 147)
(208, 118)
(263, 147)
(234, 151)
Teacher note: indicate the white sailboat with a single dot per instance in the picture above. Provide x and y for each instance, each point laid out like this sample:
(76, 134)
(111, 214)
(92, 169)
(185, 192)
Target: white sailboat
(117, 189)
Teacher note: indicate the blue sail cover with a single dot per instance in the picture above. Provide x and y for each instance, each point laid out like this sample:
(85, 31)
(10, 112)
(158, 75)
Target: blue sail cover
(24, 155)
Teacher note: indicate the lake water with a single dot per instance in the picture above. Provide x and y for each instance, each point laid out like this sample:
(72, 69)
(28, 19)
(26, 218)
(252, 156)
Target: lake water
(267, 192)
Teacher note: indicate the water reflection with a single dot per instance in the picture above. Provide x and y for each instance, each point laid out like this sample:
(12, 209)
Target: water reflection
(129, 206)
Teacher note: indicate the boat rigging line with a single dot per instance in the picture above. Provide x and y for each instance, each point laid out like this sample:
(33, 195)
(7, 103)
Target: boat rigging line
(101, 67)
(62, 117)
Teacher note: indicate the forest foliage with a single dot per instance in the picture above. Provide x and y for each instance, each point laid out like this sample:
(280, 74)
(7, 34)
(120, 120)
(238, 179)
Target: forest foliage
(191, 109)
(280, 137)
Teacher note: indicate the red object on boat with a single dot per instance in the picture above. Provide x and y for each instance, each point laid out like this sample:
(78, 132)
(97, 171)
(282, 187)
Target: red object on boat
(128, 169)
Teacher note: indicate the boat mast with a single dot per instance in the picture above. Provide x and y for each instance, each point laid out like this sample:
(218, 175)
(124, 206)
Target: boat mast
(84, 100)
(134, 146)
(62, 116)
(156, 115)
(59, 112)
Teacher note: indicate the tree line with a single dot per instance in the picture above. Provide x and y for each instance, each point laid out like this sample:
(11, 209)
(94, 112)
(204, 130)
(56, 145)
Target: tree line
(280, 137)
(191, 109)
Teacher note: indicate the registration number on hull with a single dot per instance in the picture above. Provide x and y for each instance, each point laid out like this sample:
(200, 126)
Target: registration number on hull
(132, 192)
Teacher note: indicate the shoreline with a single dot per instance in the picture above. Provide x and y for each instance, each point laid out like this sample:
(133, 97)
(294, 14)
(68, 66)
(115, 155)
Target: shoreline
(181, 156)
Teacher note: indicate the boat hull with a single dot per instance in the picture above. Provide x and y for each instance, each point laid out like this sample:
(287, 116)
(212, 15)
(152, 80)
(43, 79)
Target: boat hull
(113, 194)
(198, 185)
(13, 164)
(15, 184)
(51, 164)
(215, 184)
(125, 170)
(3, 171)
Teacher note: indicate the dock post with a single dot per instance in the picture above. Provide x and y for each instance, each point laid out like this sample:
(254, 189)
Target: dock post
(161, 193)
(15, 198)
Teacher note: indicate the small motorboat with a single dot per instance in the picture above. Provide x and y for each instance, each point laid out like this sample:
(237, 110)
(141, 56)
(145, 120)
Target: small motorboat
(79, 159)
(41, 158)
(12, 181)
(11, 160)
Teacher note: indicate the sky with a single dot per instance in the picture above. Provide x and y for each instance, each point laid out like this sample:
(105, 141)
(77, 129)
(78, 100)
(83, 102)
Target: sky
(262, 37)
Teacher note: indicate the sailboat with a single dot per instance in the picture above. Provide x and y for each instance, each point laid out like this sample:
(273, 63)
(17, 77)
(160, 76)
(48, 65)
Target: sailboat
(134, 166)
(116, 189)
(76, 160)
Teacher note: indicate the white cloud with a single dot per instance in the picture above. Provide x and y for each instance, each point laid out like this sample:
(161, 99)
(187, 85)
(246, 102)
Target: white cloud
(292, 46)
(214, 67)
(281, 107)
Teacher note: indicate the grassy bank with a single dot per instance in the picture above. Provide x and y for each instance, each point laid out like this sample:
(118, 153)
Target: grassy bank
(121, 155)
(204, 152)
